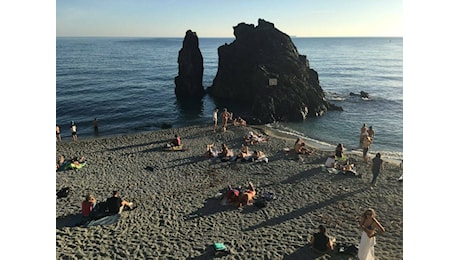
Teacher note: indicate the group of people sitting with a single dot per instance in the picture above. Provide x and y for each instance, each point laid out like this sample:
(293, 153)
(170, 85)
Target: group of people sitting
(235, 197)
(338, 161)
(227, 154)
(91, 209)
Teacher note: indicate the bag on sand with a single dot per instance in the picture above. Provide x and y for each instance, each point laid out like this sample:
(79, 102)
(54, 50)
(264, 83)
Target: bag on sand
(220, 248)
(64, 192)
(260, 203)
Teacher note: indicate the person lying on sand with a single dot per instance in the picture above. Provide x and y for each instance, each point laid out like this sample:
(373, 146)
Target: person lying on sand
(211, 152)
(239, 122)
(253, 138)
(247, 198)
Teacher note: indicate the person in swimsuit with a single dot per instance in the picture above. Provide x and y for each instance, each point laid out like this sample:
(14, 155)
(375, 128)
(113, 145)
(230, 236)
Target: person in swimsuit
(73, 128)
(371, 227)
(58, 133)
(247, 198)
(215, 118)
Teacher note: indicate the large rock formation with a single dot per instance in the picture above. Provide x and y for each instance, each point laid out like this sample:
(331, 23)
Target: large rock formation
(189, 82)
(263, 69)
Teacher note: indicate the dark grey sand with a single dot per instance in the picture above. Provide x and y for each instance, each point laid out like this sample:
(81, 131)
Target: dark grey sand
(178, 216)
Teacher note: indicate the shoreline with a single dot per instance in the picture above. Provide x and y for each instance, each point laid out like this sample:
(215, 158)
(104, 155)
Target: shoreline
(312, 143)
(179, 217)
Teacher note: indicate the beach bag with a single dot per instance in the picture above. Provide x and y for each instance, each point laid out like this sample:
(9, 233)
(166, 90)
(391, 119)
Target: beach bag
(64, 192)
(220, 248)
(261, 203)
(351, 250)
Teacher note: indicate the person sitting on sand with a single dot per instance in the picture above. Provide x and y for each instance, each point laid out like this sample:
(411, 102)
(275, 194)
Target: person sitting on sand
(247, 198)
(226, 154)
(349, 169)
(339, 151)
(211, 152)
(259, 156)
(88, 205)
(320, 242)
(239, 122)
(116, 205)
(330, 162)
(300, 147)
(232, 196)
(244, 155)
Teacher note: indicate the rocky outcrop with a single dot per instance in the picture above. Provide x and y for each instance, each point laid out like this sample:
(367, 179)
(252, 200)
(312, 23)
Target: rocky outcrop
(262, 69)
(189, 82)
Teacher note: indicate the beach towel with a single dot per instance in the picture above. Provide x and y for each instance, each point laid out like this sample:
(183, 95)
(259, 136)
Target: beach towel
(366, 247)
(107, 220)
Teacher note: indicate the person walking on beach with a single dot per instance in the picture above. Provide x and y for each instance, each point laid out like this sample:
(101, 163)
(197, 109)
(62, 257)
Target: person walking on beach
(225, 116)
(96, 126)
(58, 133)
(73, 128)
(371, 227)
(377, 167)
(214, 118)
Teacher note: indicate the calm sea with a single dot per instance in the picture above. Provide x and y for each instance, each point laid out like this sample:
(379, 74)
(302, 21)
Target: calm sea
(128, 85)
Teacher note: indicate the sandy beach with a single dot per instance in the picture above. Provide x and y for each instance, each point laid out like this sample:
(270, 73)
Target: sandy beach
(178, 215)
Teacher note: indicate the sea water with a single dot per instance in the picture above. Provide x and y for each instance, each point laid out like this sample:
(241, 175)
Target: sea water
(128, 85)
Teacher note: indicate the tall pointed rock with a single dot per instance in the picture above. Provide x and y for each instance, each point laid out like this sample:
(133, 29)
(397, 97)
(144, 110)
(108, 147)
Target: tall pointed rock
(189, 82)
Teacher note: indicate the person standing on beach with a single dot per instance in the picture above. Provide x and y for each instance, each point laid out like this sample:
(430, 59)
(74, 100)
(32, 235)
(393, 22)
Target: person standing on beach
(377, 167)
(58, 133)
(362, 135)
(371, 133)
(214, 118)
(225, 116)
(96, 126)
(371, 227)
(366, 144)
(73, 128)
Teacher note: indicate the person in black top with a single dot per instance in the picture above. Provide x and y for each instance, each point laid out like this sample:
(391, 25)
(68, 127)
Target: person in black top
(320, 242)
(115, 204)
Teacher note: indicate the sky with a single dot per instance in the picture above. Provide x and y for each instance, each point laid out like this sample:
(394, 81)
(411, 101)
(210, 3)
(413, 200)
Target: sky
(214, 18)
